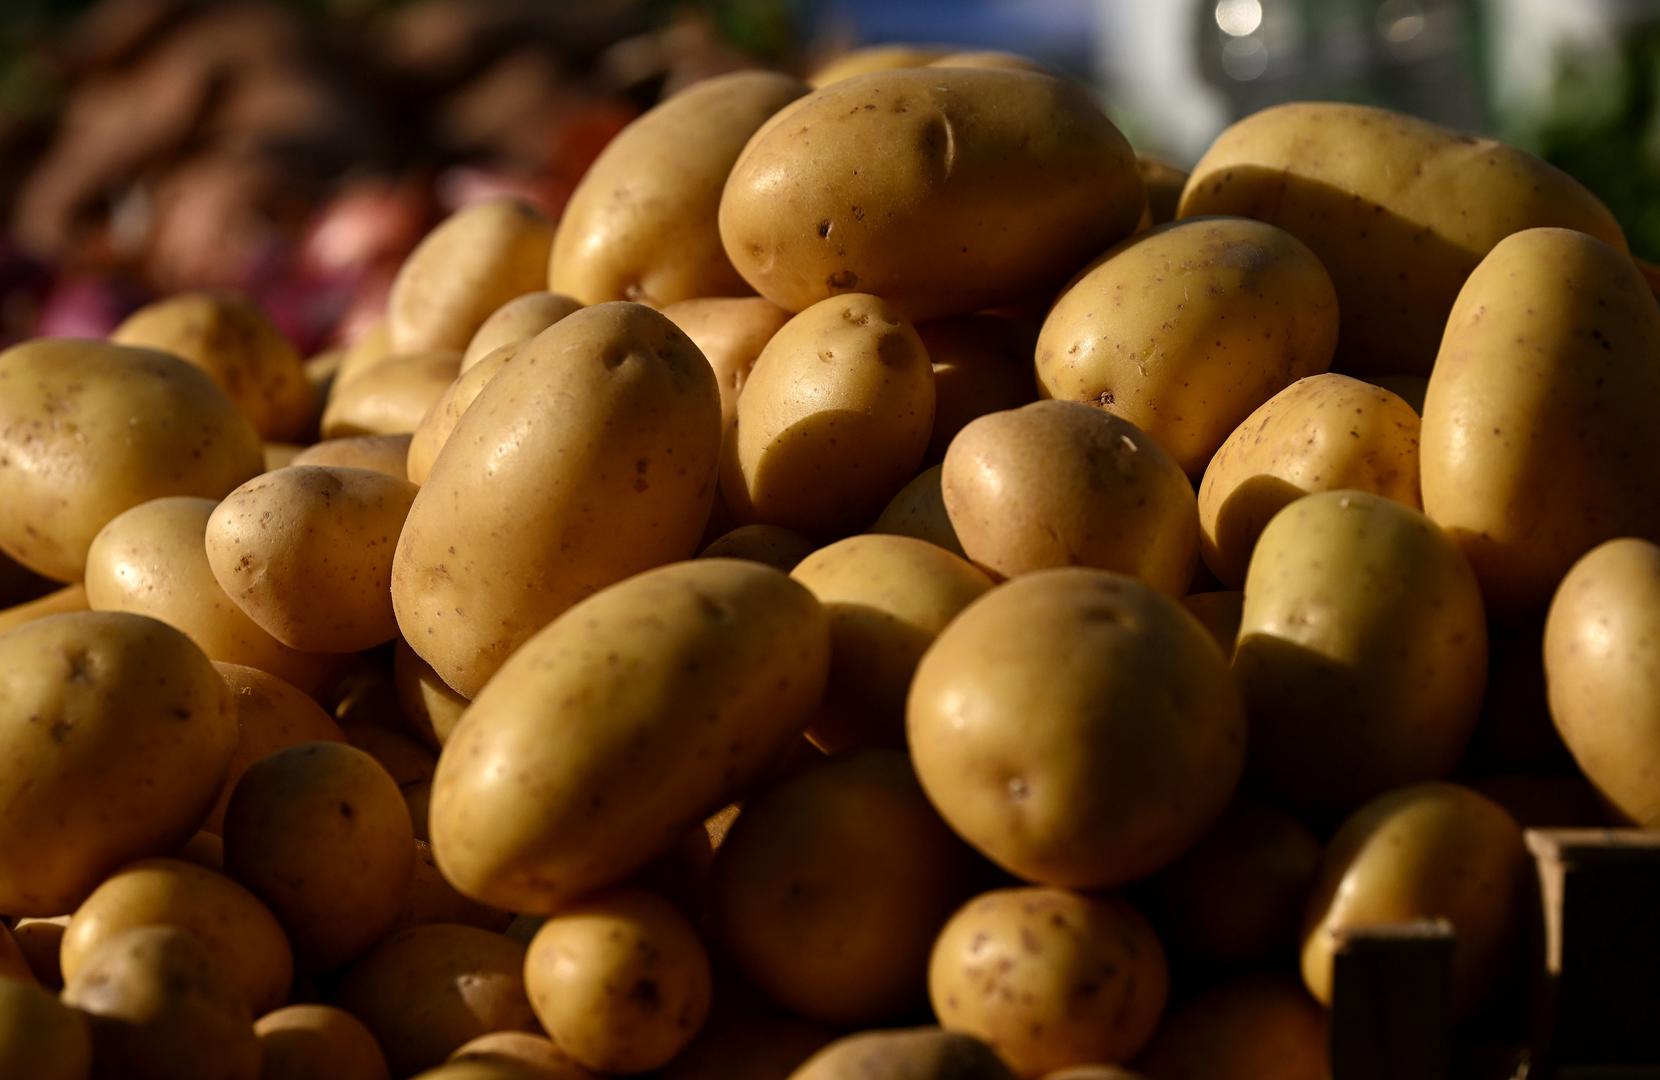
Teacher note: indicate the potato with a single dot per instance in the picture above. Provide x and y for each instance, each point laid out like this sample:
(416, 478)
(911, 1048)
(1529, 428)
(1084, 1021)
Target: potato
(919, 510)
(390, 397)
(115, 704)
(1219, 613)
(1049, 978)
(88, 430)
(989, 58)
(871, 58)
(621, 483)
(1433, 851)
(1186, 329)
(40, 1038)
(887, 598)
(426, 990)
(438, 424)
(730, 333)
(159, 1007)
(431, 899)
(230, 338)
(407, 761)
(1164, 183)
(982, 364)
(475, 261)
(575, 766)
(369, 349)
(39, 939)
(427, 701)
(536, 1053)
(1602, 640)
(1362, 651)
(1244, 1029)
(320, 833)
(516, 322)
(1539, 422)
(754, 1047)
(831, 887)
(381, 453)
(1076, 727)
(914, 1054)
(1057, 483)
(306, 552)
(1321, 433)
(1399, 211)
(833, 420)
(303, 1042)
(641, 224)
(279, 455)
(929, 225)
(270, 715)
(62, 601)
(770, 545)
(152, 560)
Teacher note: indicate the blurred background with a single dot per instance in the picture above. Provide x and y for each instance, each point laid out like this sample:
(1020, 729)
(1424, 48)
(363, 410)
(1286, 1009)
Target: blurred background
(298, 149)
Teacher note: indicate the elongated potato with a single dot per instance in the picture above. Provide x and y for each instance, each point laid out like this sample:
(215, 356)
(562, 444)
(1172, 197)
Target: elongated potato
(391, 396)
(438, 424)
(575, 765)
(518, 320)
(637, 230)
(589, 458)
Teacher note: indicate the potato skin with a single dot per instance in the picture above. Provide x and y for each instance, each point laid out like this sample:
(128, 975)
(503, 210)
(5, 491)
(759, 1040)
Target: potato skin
(574, 766)
(516, 321)
(270, 715)
(771, 545)
(41, 1038)
(623, 482)
(808, 212)
(912, 1054)
(640, 228)
(1076, 727)
(919, 510)
(88, 430)
(382, 453)
(438, 424)
(856, 62)
(1552, 344)
(1049, 978)
(1399, 211)
(1245, 1028)
(390, 396)
(302, 1042)
(1185, 329)
(730, 332)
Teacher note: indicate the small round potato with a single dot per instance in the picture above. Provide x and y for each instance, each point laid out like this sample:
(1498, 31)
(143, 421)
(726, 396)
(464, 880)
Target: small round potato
(516, 322)
(320, 832)
(982, 364)
(115, 732)
(270, 715)
(40, 1037)
(919, 510)
(305, 1042)
(1077, 727)
(438, 424)
(748, 1047)
(1247, 1028)
(833, 420)
(381, 453)
(239, 932)
(1323, 433)
(620, 981)
(427, 701)
(159, 1007)
(914, 1054)
(1049, 978)
(391, 396)
(770, 545)
(231, 339)
(306, 552)
(89, 429)
(730, 333)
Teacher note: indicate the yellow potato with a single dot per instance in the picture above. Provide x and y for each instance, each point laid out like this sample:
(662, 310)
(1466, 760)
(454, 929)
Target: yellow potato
(887, 598)
(38, 939)
(270, 716)
(833, 420)
(1434, 851)
(871, 58)
(516, 322)
(730, 333)
(1539, 423)
(1049, 978)
(320, 833)
(770, 545)
(321, 368)
(62, 601)
(1077, 727)
(427, 990)
(620, 981)
(40, 1038)
(748, 1047)
(1186, 329)
(575, 765)
(159, 1007)
(427, 701)
(1243, 1029)
(641, 224)
(369, 349)
(406, 760)
(990, 58)
(438, 424)
(1362, 651)
(390, 397)
(830, 888)
(1219, 612)
(913, 1054)
(1602, 664)
(305, 1042)
(982, 364)
(475, 261)
(431, 899)
(230, 338)
(1164, 183)
(278, 455)
(1323, 433)
(381, 453)
(88, 430)
(1057, 483)
(115, 732)
(1398, 209)
(239, 932)
(536, 1053)
(306, 552)
(919, 510)
(621, 483)
(928, 223)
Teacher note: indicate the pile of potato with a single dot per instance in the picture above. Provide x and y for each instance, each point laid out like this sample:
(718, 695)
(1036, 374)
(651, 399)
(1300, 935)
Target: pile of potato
(863, 595)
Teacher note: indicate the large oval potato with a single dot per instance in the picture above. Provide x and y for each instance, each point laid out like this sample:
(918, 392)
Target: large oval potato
(912, 1054)
(391, 396)
(1321, 433)
(929, 224)
(641, 225)
(1077, 727)
(115, 732)
(517, 321)
(576, 764)
(304, 1042)
(621, 481)
(1186, 329)
(1398, 209)
(1246, 1028)
(1540, 422)
(1362, 651)
(40, 1037)
(88, 430)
